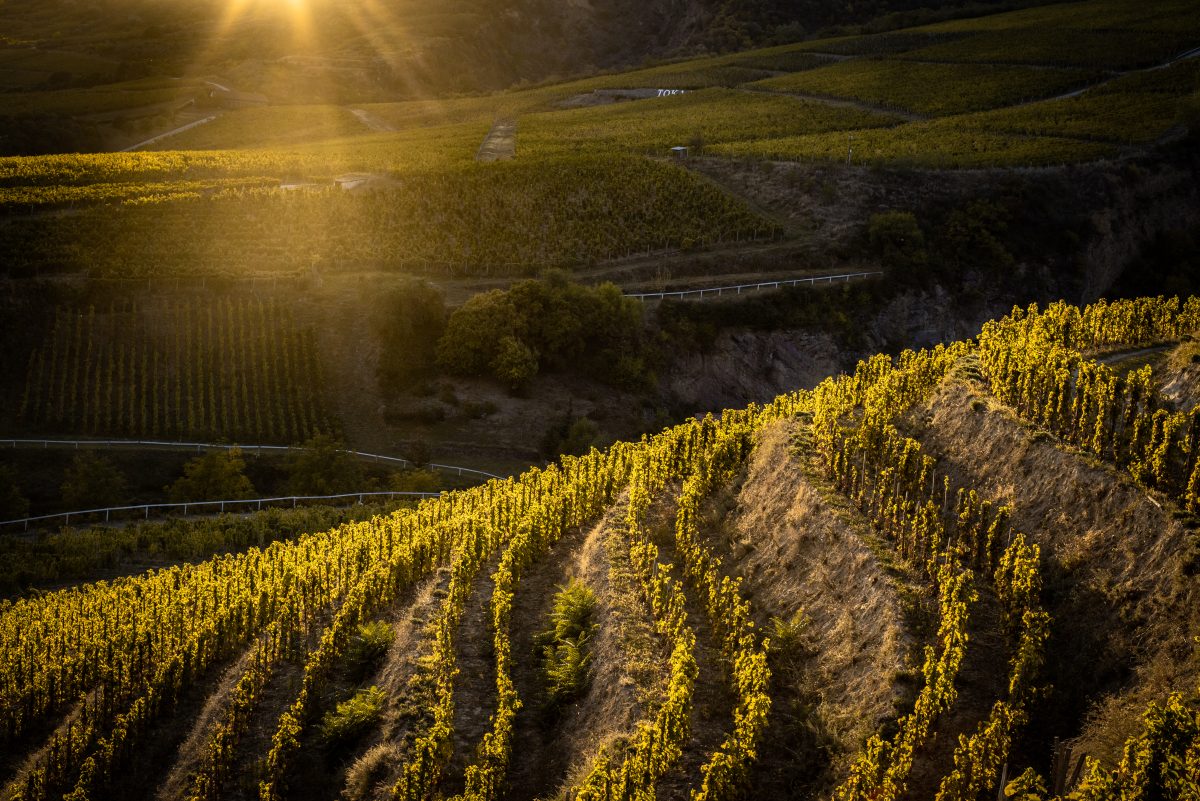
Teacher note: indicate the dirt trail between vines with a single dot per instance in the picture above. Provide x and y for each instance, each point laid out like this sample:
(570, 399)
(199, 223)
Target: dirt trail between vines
(501, 142)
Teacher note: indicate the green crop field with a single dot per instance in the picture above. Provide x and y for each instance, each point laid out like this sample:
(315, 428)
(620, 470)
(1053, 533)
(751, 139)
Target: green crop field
(705, 117)
(1091, 49)
(490, 219)
(943, 144)
(578, 191)
(101, 100)
(1132, 117)
(935, 89)
(225, 369)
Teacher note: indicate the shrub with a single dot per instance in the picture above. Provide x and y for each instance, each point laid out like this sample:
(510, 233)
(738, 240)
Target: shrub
(408, 320)
(218, 475)
(415, 480)
(515, 363)
(898, 240)
(369, 643)
(370, 769)
(13, 503)
(92, 481)
(323, 467)
(788, 635)
(352, 717)
(546, 325)
(565, 644)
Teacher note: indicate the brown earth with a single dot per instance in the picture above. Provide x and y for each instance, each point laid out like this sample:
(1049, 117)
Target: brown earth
(800, 549)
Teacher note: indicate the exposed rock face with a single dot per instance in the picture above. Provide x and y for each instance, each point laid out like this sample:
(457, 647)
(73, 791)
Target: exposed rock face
(746, 366)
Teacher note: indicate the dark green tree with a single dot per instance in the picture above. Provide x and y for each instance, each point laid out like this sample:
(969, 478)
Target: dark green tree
(898, 240)
(972, 238)
(92, 482)
(409, 320)
(217, 475)
(13, 503)
(515, 363)
(474, 332)
(323, 467)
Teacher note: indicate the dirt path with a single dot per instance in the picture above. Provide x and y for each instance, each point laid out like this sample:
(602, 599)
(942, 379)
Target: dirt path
(536, 767)
(194, 747)
(475, 684)
(800, 547)
(1105, 542)
(1120, 356)
(371, 121)
(141, 776)
(501, 142)
(373, 764)
(169, 133)
(628, 664)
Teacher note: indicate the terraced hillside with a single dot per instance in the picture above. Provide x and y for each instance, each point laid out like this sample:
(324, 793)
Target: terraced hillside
(914, 581)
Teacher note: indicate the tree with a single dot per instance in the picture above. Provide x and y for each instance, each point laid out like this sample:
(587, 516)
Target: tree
(972, 238)
(515, 363)
(415, 480)
(898, 240)
(93, 482)
(581, 436)
(474, 332)
(324, 467)
(217, 475)
(13, 503)
(570, 436)
(548, 324)
(409, 321)
(418, 452)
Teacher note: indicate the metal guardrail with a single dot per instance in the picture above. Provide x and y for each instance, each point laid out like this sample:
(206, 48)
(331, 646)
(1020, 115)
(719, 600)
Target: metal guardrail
(739, 288)
(248, 504)
(212, 446)
(200, 447)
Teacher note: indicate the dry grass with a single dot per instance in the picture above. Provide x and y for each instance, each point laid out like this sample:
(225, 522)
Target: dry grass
(1119, 565)
(628, 656)
(796, 551)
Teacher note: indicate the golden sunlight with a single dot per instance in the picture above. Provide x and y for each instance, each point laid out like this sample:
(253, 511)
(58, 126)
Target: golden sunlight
(296, 13)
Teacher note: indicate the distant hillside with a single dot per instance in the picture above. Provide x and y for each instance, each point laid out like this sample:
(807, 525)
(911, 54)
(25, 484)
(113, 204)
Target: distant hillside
(321, 50)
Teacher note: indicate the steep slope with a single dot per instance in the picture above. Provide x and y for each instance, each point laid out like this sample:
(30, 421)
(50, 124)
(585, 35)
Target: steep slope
(1120, 567)
(801, 553)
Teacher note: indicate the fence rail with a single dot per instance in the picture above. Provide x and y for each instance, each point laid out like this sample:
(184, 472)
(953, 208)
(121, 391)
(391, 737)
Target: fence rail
(242, 504)
(212, 446)
(756, 287)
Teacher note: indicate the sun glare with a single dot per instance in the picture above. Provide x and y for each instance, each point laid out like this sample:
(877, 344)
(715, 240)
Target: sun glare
(297, 14)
